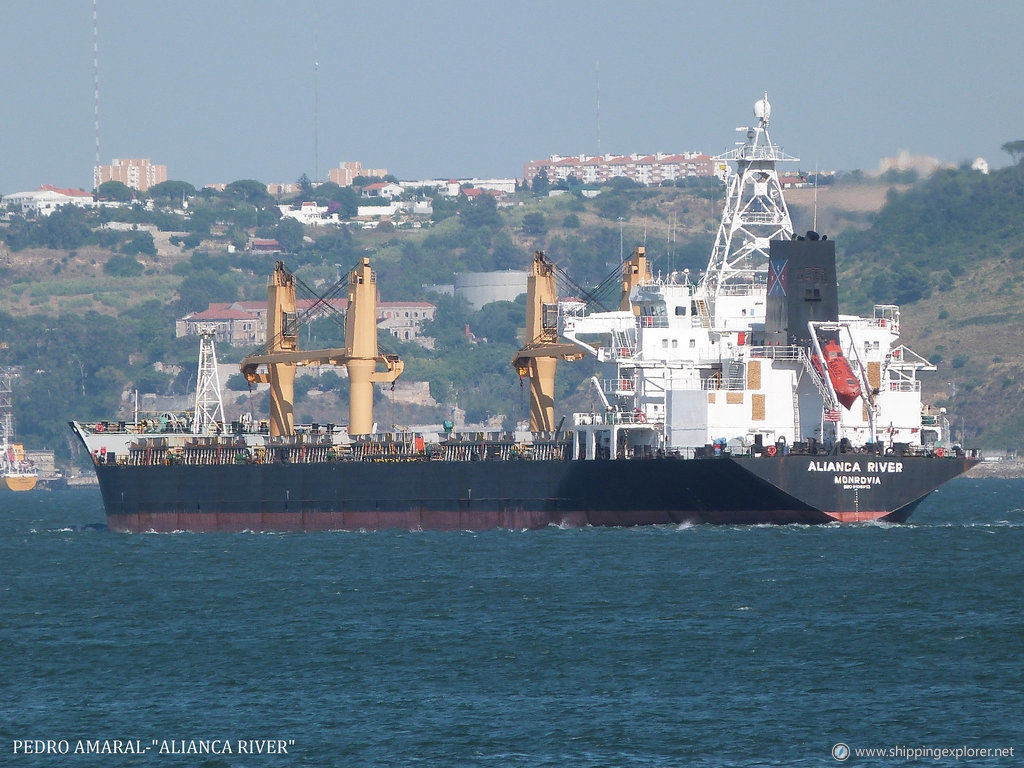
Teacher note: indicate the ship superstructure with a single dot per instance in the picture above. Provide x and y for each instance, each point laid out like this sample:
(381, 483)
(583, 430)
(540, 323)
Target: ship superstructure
(741, 397)
(755, 353)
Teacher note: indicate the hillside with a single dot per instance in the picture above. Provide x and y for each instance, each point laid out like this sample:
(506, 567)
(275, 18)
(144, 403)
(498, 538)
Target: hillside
(88, 313)
(949, 251)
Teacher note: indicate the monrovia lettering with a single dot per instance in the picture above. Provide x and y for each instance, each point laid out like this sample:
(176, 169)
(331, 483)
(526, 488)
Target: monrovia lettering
(857, 480)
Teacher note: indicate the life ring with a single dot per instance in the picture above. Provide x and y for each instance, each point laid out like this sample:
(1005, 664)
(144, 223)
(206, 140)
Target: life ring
(940, 452)
(99, 427)
(770, 450)
(641, 418)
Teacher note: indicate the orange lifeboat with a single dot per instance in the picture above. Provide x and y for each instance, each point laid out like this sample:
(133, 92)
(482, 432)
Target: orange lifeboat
(841, 374)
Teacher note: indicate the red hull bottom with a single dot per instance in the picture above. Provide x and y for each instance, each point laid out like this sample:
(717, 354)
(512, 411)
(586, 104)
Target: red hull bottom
(457, 521)
(340, 521)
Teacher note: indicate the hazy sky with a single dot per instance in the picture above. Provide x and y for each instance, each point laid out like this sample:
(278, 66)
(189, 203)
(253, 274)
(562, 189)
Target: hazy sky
(219, 90)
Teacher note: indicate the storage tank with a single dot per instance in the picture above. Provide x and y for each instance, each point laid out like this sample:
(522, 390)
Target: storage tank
(479, 288)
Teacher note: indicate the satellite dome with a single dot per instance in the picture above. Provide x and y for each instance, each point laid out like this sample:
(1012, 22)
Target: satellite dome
(762, 109)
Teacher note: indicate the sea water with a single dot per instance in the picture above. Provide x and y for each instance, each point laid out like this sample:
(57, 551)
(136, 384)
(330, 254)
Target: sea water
(659, 646)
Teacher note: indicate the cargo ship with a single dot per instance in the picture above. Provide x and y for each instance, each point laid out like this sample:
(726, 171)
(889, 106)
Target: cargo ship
(740, 397)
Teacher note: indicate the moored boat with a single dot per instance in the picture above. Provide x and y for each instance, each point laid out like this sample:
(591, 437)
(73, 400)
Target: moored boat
(17, 472)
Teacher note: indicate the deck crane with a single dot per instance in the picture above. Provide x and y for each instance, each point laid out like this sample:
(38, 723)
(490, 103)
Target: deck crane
(360, 354)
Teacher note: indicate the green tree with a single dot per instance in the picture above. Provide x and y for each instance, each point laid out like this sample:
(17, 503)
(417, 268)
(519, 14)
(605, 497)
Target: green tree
(171, 192)
(444, 207)
(289, 233)
(613, 204)
(541, 184)
(122, 266)
(141, 242)
(1015, 149)
(449, 324)
(481, 212)
(534, 224)
(249, 191)
(117, 191)
(341, 200)
(64, 229)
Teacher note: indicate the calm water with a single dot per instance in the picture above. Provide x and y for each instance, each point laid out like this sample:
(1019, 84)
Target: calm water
(695, 646)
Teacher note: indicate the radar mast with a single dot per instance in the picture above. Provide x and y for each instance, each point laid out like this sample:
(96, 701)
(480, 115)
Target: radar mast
(755, 211)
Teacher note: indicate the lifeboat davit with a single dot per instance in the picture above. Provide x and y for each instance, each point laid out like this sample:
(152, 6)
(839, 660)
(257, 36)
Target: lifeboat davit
(840, 373)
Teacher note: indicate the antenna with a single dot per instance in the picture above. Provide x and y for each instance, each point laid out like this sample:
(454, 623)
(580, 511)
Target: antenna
(209, 407)
(316, 92)
(96, 90)
(597, 74)
(814, 218)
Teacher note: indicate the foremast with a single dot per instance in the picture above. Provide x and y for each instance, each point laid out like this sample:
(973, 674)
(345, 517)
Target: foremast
(755, 212)
(208, 414)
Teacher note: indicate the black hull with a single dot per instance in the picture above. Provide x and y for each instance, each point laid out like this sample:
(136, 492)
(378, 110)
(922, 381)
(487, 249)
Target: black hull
(465, 495)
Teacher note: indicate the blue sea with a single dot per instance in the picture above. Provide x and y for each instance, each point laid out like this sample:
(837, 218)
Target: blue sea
(661, 646)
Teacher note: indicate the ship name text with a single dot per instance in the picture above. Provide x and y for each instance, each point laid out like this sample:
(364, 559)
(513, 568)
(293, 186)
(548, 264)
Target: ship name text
(851, 476)
(880, 467)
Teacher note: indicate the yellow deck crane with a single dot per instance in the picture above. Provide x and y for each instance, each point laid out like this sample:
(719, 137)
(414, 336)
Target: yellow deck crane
(635, 270)
(539, 358)
(360, 354)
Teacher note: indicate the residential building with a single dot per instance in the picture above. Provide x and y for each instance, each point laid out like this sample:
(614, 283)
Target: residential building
(244, 323)
(241, 323)
(282, 189)
(263, 245)
(402, 319)
(46, 199)
(310, 214)
(451, 187)
(346, 172)
(643, 169)
(137, 173)
(385, 189)
(905, 161)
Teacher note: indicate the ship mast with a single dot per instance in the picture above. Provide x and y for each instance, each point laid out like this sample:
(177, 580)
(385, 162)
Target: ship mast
(755, 211)
(6, 409)
(209, 410)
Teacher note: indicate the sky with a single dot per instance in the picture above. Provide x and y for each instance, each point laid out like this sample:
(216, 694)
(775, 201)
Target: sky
(221, 90)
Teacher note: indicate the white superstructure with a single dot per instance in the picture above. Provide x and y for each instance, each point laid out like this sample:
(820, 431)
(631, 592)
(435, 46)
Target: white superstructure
(688, 364)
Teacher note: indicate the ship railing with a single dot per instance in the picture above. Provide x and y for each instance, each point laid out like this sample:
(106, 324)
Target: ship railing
(153, 426)
(615, 386)
(781, 352)
(674, 278)
(557, 450)
(609, 418)
(652, 321)
(715, 383)
(744, 289)
(762, 217)
(911, 385)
